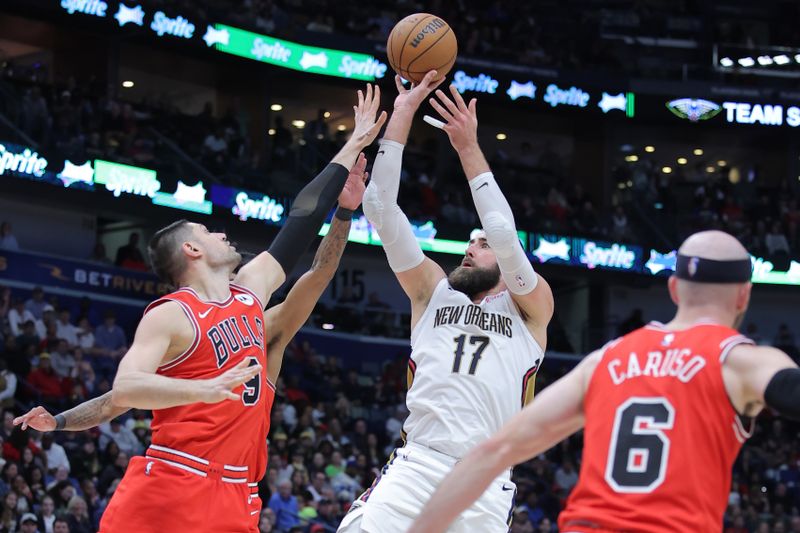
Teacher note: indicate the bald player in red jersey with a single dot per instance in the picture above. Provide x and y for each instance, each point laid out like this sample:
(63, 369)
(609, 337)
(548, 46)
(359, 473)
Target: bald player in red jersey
(665, 411)
(197, 361)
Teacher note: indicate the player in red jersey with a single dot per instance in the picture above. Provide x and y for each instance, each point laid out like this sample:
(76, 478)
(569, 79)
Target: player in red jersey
(665, 410)
(281, 322)
(205, 344)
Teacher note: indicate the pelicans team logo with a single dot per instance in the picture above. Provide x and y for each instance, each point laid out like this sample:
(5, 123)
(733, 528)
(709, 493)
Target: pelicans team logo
(548, 250)
(693, 109)
(659, 262)
(134, 15)
(519, 90)
(214, 36)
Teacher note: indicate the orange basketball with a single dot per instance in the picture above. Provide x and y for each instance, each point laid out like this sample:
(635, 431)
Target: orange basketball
(419, 43)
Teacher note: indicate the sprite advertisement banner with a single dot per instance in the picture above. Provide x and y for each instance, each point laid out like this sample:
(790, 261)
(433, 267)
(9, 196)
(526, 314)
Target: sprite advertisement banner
(295, 56)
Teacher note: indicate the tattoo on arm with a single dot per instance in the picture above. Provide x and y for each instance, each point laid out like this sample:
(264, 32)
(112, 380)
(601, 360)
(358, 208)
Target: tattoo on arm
(91, 413)
(332, 246)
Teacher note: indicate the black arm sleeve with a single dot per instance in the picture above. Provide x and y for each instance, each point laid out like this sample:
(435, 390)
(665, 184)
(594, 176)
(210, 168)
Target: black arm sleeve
(310, 207)
(783, 393)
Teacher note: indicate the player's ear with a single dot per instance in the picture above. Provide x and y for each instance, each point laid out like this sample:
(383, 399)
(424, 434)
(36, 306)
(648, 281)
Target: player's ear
(672, 285)
(743, 296)
(191, 249)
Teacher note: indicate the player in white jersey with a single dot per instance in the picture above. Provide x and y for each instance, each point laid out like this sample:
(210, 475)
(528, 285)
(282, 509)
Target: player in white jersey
(478, 334)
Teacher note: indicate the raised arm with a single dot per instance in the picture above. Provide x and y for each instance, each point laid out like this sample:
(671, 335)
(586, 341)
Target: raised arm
(86, 415)
(269, 269)
(163, 333)
(286, 318)
(529, 291)
(555, 414)
(417, 274)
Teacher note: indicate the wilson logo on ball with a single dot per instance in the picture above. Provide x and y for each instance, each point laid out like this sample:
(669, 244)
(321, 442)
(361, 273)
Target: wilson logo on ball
(430, 28)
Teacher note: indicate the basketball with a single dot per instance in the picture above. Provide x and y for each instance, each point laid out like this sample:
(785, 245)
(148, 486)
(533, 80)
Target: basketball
(420, 43)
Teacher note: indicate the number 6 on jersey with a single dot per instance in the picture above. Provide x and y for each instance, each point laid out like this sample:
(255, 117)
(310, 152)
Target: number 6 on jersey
(639, 449)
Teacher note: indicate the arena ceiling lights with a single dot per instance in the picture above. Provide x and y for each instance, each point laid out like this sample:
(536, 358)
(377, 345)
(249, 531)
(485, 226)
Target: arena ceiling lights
(763, 61)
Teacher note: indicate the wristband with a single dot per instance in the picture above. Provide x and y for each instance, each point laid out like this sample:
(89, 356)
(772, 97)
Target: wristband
(61, 422)
(344, 214)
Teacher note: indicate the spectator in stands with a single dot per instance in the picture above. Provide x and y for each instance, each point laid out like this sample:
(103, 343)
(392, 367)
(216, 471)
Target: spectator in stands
(327, 515)
(113, 471)
(215, 149)
(284, 505)
(56, 456)
(8, 512)
(36, 303)
(61, 525)
(46, 382)
(99, 254)
(65, 329)
(129, 256)
(48, 322)
(78, 516)
(7, 239)
(619, 225)
(121, 435)
(545, 526)
(776, 241)
(521, 523)
(8, 385)
(109, 339)
(266, 522)
(28, 336)
(29, 523)
(47, 515)
(318, 482)
(17, 316)
(566, 476)
(85, 334)
(61, 359)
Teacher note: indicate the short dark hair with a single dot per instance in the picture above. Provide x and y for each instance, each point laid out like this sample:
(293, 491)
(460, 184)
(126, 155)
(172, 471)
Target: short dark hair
(164, 251)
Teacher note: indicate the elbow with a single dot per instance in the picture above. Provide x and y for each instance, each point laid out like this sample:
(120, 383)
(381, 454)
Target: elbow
(118, 397)
(120, 394)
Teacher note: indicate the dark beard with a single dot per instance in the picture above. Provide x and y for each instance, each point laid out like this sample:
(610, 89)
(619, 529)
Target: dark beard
(474, 280)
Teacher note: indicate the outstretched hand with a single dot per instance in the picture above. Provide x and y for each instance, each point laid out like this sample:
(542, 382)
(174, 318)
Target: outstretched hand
(461, 120)
(353, 191)
(367, 127)
(410, 99)
(37, 418)
(221, 387)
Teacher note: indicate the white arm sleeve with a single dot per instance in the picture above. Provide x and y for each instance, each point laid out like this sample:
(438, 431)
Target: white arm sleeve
(381, 209)
(501, 233)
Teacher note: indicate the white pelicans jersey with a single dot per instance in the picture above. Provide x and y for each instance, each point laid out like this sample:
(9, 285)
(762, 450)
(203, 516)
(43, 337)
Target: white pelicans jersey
(472, 368)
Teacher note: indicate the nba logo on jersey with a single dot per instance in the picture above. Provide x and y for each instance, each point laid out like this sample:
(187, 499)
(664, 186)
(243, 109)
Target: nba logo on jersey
(668, 338)
(246, 299)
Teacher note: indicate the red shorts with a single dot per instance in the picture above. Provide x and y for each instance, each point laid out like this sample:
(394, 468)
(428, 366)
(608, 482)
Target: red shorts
(157, 497)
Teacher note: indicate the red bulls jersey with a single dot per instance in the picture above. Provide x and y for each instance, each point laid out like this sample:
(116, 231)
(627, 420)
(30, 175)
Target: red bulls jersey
(231, 432)
(661, 434)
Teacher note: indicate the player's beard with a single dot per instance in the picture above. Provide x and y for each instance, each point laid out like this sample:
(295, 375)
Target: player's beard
(474, 280)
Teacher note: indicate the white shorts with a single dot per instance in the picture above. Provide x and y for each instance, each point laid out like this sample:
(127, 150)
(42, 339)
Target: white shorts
(406, 484)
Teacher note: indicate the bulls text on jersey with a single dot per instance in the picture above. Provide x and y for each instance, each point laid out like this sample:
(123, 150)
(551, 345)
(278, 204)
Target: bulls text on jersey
(228, 338)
